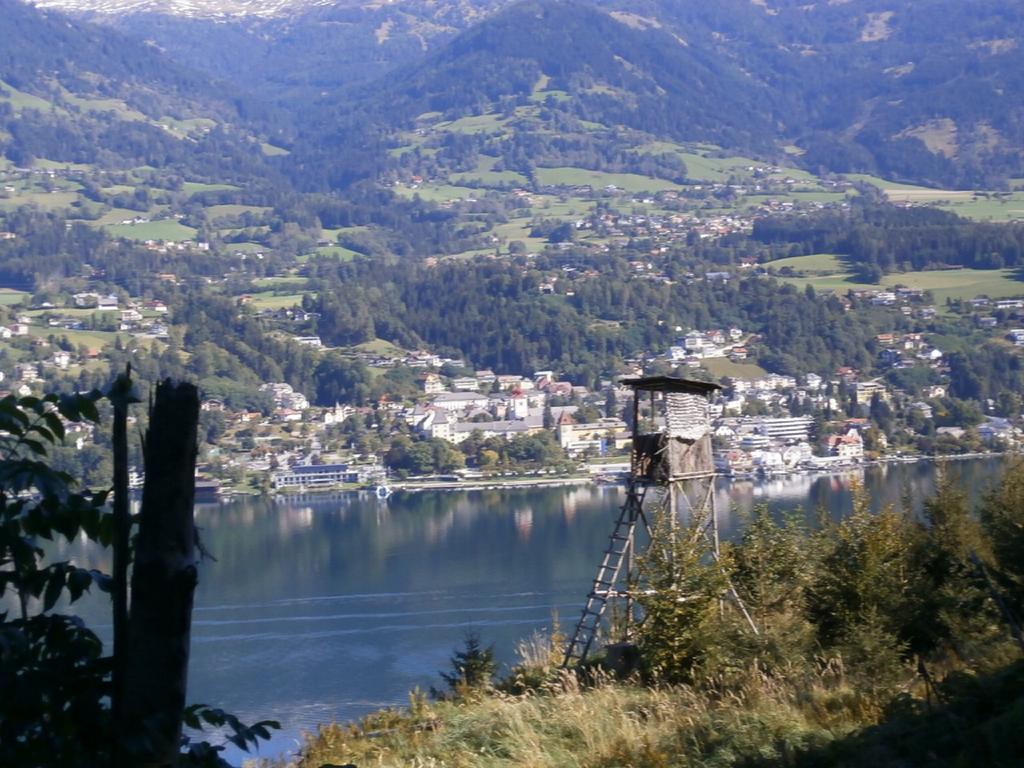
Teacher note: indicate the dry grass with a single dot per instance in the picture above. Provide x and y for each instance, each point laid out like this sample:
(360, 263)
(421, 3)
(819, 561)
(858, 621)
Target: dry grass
(609, 724)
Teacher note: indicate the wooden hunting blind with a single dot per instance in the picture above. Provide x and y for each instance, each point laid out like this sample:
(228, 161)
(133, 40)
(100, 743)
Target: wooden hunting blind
(675, 442)
(671, 454)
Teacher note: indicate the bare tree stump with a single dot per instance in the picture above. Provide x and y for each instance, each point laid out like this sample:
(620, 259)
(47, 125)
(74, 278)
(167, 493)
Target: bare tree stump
(164, 577)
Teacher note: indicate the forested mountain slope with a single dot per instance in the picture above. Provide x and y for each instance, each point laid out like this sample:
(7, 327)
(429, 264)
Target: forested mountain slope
(77, 93)
(924, 90)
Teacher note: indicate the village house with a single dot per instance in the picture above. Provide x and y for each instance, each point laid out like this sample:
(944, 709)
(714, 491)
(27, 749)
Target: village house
(849, 447)
(460, 401)
(599, 436)
(432, 384)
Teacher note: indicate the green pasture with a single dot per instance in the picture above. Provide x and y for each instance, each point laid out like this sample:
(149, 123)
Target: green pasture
(222, 211)
(271, 151)
(61, 165)
(276, 301)
(989, 208)
(195, 187)
(165, 229)
(20, 100)
(885, 185)
(824, 263)
(246, 247)
(700, 167)
(334, 234)
(101, 105)
(485, 174)
(336, 252)
(574, 177)
(380, 347)
(721, 367)
(945, 283)
(751, 201)
(48, 201)
(519, 229)
(439, 193)
(282, 281)
(117, 215)
(488, 123)
(10, 297)
(91, 339)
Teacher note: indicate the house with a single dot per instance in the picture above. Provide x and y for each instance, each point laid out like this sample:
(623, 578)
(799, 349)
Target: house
(890, 356)
(733, 462)
(440, 424)
(507, 383)
(465, 384)
(460, 401)
(27, 372)
(337, 415)
(598, 436)
(787, 429)
(849, 447)
(432, 384)
(85, 299)
(315, 475)
(486, 429)
(866, 390)
(922, 408)
(996, 430)
(107, 303)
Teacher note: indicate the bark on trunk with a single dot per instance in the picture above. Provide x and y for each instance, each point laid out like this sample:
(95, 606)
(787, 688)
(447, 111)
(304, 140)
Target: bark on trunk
(163, 580)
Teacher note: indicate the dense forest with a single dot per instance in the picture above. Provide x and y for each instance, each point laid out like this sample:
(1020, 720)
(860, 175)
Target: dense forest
(497, 317)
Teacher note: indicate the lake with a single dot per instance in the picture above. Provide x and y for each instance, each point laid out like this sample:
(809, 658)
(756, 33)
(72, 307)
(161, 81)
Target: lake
(326, 607)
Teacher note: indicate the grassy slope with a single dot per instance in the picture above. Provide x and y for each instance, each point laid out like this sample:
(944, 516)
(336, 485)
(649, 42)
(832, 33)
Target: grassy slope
(949, 283)
(763, 724)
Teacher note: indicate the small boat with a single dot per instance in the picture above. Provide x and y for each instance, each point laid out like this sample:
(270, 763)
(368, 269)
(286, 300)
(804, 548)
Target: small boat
(382, 491)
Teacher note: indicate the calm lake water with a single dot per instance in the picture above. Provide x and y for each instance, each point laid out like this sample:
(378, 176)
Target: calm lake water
(324, 608)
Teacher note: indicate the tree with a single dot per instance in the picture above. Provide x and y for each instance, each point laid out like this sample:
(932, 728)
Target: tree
(1002, 517)
(472, 670)
(680, 601)
(58, 686)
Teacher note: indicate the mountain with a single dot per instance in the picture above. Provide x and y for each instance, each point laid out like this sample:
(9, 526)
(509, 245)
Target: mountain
(289, 51)
(925, 91)
(73, 92)
(189, 8)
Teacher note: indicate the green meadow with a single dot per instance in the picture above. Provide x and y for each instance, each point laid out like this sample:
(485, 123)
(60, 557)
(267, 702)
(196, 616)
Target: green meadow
(722, 367)
(575, 177)
(165, 229)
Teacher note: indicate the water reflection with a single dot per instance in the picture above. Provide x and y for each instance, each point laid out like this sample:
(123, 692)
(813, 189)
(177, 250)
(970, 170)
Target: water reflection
(319, 608)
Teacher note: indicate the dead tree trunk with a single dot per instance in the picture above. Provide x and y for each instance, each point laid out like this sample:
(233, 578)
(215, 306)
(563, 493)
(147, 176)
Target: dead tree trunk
(121, 396)
(163, 580)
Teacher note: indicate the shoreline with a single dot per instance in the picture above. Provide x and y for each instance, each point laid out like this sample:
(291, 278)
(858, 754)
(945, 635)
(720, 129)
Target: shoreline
(596, 477)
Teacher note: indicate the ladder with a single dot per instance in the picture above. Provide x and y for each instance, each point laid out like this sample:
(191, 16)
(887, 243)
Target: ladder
(620, 547)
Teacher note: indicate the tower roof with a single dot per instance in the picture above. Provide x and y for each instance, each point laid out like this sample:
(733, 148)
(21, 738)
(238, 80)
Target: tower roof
(670, 384)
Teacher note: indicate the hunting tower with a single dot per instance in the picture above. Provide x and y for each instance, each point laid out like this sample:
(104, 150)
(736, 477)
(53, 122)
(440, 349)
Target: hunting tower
(672, 472)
